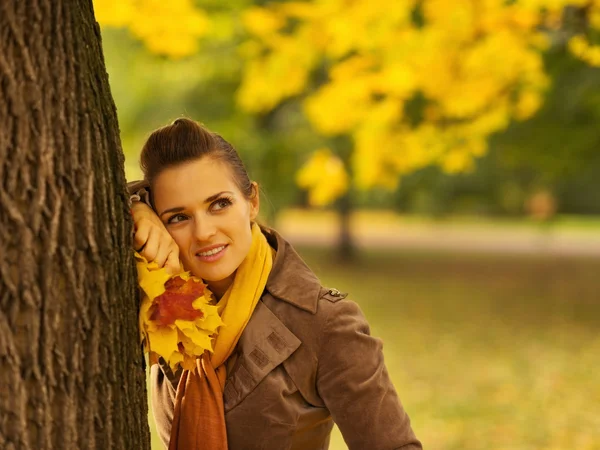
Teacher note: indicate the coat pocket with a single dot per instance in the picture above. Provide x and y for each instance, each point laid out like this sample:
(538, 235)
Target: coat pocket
(265, 343)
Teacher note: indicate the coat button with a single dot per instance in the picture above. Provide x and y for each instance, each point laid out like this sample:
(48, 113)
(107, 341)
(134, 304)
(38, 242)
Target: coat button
(334, 292)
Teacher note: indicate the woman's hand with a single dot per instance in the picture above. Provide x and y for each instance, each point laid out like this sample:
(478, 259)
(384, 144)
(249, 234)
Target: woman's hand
(152, 240)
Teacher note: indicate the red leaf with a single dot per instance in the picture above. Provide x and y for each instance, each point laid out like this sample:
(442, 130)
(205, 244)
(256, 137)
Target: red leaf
(176, 302)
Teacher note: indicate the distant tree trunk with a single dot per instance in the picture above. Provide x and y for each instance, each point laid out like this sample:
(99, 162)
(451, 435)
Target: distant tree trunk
(346, 250)
(71, 371)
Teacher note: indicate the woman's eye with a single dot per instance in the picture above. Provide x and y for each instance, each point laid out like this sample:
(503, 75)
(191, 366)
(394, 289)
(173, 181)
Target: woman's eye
(222, 203)
(176, 218)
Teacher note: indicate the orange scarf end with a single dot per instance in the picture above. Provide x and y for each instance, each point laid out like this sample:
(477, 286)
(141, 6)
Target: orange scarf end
(203, 394)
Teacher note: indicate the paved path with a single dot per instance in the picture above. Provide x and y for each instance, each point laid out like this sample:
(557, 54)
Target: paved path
(448, 237)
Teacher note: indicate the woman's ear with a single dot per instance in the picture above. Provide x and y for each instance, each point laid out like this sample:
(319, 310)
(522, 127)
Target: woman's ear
(254, 201)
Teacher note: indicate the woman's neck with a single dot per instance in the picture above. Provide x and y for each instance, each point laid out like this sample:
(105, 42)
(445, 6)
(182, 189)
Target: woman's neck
(218, 288)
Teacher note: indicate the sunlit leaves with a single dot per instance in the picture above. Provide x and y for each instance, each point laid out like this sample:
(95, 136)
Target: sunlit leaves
(585, 51)
(477, 65)
(169, 28)
(263, 22)
(177, 319)
(324, 176)
(358, 66)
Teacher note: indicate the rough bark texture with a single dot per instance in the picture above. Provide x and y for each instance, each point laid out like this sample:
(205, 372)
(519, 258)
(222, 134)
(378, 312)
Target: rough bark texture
(71, 373)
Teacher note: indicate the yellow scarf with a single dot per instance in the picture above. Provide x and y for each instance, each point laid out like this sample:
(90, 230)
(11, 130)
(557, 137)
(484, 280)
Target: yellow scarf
(199, 416)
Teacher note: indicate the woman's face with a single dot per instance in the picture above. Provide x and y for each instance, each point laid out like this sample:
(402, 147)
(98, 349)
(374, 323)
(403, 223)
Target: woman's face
(208, 217)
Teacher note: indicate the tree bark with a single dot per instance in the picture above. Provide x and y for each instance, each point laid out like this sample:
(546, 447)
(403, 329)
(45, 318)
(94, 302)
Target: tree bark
(346, 250)
(71, 372)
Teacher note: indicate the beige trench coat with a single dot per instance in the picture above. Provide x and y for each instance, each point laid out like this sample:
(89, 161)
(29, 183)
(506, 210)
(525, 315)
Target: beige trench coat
(304, 361)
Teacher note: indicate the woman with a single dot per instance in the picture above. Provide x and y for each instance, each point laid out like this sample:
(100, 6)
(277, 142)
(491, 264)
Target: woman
(293, 357)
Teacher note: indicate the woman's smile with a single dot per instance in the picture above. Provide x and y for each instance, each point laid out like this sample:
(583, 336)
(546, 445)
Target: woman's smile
(212, 254)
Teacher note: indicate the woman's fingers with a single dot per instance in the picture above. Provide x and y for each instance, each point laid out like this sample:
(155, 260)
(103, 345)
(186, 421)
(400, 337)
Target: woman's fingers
(173, 265)
(140, 237)
(152, 245)
(152, 240)
(159, 247)
(167, 256)
(162, 252)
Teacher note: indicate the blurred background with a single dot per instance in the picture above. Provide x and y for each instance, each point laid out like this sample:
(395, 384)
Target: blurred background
(437, 159)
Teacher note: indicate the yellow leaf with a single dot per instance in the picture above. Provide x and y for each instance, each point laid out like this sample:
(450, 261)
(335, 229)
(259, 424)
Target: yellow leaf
(200, 340)
(210, 322)
(185, 324)
(163, 341)
(150, 278)
(174, 359)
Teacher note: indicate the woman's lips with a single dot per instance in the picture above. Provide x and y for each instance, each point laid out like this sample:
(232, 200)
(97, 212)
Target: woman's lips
(212, 254)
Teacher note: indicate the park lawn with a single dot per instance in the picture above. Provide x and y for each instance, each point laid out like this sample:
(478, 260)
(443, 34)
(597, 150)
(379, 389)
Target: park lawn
(485, 351)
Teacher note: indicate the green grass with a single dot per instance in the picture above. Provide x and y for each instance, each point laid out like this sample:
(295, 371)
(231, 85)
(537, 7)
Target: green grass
(485, 351)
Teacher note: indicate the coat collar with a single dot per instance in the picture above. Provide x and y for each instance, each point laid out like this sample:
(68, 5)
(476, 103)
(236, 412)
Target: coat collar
(265, 343)
(290, 279)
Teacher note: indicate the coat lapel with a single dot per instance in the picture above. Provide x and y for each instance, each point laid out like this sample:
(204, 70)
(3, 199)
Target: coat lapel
(265, 343)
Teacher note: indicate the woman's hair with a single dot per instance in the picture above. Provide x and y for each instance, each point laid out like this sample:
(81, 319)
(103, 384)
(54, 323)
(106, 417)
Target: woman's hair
(186, 140)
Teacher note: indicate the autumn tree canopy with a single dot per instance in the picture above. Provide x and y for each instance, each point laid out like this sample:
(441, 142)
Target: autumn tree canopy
(425, 82)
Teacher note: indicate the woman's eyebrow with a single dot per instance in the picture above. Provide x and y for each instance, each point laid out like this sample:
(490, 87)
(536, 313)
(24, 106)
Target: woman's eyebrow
(176, 209)
(210, 199)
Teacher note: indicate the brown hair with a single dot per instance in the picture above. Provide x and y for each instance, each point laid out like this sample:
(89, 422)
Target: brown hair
(186, 140)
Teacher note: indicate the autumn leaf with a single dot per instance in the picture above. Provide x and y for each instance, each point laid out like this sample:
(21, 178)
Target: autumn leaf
(177, 320)
(164, 341)
(176, 302)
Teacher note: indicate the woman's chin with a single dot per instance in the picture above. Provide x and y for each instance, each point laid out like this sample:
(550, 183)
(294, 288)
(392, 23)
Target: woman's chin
(213, 276)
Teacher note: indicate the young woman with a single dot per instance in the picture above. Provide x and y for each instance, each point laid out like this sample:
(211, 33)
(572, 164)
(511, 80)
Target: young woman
(293, 357)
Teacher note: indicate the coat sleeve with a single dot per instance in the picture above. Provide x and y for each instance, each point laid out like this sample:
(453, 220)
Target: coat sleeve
(139, 191)
(162, 392)
(354, 383)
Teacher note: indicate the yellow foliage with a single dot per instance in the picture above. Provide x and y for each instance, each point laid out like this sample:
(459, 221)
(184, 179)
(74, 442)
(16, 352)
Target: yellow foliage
(324, 176)
(527, 104)
(594, 17)
(169, 28)
(262, 21)
(457, 160)
(112, 13)
(290, 60)
(581, 48)
(477, 64)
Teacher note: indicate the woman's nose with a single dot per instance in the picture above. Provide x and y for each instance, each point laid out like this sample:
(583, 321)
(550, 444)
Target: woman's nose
(204, 229)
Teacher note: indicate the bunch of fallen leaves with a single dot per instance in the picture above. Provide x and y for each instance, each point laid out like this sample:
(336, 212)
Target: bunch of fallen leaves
(177, 318)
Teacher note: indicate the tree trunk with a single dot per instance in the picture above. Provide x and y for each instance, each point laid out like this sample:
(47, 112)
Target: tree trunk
(71, 372)
(346, 251)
